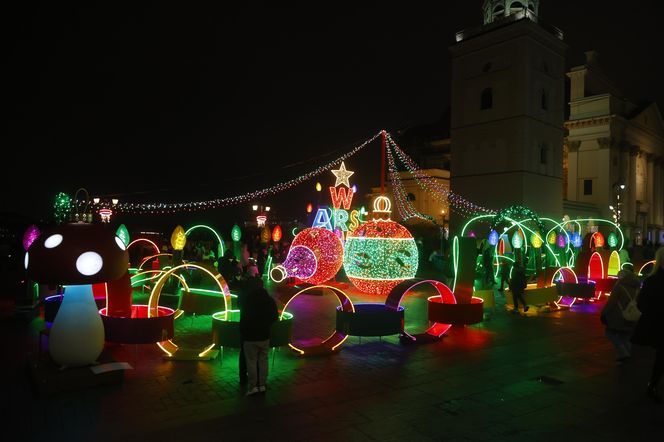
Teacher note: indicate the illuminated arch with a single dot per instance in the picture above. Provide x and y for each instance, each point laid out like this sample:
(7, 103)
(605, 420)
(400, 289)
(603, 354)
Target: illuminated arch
(444, 296)
(331, 343)
(568, 275)
(169, 347)
(148, 258)
(644, 266)
(154, 246)
(595, 267)
(203, 226)
(614, 264)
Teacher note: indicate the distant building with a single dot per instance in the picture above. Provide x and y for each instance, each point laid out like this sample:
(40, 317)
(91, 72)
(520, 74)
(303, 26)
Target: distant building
(614, 155)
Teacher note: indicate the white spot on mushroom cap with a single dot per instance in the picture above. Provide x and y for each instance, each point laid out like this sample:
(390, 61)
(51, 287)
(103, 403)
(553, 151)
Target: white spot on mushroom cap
(25, 260)
(53, 241)
(89, 263)
(120, 243)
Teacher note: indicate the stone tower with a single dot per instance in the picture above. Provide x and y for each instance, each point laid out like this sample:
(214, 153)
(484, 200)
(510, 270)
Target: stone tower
(508, 103)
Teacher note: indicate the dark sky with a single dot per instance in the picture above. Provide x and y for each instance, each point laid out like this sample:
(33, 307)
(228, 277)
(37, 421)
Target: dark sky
(177, 101)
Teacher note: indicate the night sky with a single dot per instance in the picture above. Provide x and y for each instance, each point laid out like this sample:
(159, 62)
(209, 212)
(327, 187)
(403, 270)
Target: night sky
(177, 101)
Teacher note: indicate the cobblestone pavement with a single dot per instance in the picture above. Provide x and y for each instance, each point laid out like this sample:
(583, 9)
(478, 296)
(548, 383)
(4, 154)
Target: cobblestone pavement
(540, 376)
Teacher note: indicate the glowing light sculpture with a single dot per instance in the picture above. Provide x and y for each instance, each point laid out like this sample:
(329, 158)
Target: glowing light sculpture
(379, 255)
(493, 237)
(315, 256)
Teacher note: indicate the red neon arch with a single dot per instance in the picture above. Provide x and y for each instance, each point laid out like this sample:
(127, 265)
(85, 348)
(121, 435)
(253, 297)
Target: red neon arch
(595, 267)
(444, 296)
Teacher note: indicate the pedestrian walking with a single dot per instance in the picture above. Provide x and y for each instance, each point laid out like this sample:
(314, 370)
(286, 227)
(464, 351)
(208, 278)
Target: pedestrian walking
(618, 325)
(649, 329)
(517, 284)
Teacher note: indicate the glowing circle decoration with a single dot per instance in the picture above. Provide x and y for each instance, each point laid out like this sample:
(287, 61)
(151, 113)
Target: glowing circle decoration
(379, 255)
(315, 256)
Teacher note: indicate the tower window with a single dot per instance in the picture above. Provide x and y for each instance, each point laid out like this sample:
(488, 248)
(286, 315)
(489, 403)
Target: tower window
(544, 153)
(486, 100)
(544, 100)
(587, 187)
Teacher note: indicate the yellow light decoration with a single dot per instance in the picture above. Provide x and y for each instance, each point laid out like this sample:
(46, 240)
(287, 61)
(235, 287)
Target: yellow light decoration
(342, 176)
(318, 187)
(382, 207)
(551, 237)
(178, 238)
(536, 240)
(265, 235)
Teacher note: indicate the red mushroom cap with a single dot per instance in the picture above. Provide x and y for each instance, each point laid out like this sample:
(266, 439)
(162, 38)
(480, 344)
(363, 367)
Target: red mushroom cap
(77, 254)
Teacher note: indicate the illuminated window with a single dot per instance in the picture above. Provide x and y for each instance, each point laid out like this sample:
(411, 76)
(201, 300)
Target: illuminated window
(587, 187)
(486, 100)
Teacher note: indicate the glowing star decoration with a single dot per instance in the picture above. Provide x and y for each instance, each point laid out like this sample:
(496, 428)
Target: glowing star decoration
(379, 255)
(236, 233)
(123, 234)
(612, 240)
(551, 237)
(30, 236)
(561, 240)
(517, 241)
(178, 238)
(322, 219)
(342, 175)
(536, 240)
(276, 234)
(493, 237)
(577, 241)
(315, 256)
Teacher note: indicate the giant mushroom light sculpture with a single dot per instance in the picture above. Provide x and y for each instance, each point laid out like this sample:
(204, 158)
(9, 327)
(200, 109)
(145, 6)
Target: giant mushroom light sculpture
(77, 256)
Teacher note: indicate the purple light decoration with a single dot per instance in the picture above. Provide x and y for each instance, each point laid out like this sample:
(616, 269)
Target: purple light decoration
(472, 234)
(354, 188)
(493, 237)
(561, 240)
(30, 235)
(300, 262)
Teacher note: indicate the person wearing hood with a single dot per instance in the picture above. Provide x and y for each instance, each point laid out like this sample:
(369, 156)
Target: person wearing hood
(649, 330)
(619, 330)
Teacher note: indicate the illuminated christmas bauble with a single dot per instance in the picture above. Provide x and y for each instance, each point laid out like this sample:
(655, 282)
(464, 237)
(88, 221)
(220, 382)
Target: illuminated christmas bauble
(612, 239)
(315, 256)
(493, 237)
(378, 255)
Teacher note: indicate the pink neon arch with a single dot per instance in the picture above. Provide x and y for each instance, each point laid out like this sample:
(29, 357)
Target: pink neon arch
(154, 246)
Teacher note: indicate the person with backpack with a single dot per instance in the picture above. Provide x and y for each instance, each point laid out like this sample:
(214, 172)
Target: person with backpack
(518, 283)
(620, 313)
(649, 330)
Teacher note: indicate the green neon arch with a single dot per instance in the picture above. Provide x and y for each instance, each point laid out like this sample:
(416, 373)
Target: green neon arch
(203, 226)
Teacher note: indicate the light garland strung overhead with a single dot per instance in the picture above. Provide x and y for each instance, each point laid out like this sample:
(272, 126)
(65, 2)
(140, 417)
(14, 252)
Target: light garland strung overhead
(429, 184)
(159, 208)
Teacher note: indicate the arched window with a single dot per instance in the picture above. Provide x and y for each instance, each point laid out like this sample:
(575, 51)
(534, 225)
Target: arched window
(486, 100)
(544, 99)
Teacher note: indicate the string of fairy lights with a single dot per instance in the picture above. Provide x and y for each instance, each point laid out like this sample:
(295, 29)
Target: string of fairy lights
(404, 206)
(163, 208)
(432, 186)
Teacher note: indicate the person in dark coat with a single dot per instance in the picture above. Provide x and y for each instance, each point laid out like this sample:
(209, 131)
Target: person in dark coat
(649, 330)
(618, 330)
(258, 312)
(518, 285)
